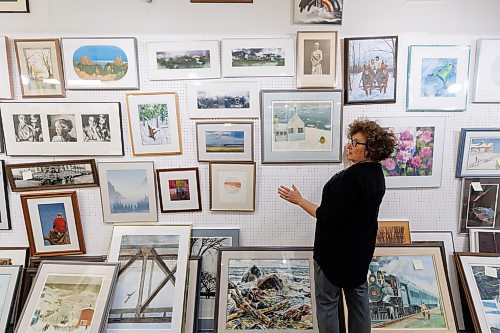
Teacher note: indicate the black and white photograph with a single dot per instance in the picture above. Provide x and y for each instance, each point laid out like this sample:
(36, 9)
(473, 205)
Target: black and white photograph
(317, 56)
(96, 128)
(316, 59)
(62, 127)
(27, 127)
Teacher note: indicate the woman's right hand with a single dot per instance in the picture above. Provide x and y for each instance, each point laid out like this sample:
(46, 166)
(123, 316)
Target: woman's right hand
(291, 195)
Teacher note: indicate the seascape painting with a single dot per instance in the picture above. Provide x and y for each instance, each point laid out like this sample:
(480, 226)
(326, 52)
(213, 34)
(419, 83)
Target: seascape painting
(258, 57)
(318, 11)
(54, 224)
(223, 99)
(128, 191)
(154, 125)
(302, 126)
(279, 290)
(404, 293)
(96, 128)
(27, 127)
(40, 69)
(184, 59)
(482, 206)
(179, 189)
(224, 141)
(66, 304)
(488, 286)
(438, 77)
(100, 62)
(484, 154)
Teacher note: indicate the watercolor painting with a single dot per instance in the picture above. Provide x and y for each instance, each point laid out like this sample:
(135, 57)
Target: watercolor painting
(54, 224)
(179, 189)
(153, 119)
(488, 287)
(258, 57)
(318, 11)
(27, 127)
(100, 62)
(224, 141)
(482, 206)
(183, 59)
(221, 99)
(128, 191)
(40, 69)
(484, 154)
(438, 77)
(4, 288)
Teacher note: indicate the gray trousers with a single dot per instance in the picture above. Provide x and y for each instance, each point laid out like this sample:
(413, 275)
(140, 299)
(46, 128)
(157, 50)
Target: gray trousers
(327, 303)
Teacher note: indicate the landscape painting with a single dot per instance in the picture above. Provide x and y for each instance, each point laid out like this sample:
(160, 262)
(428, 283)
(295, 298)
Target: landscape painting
(258, 57)
(439, 75)
(183, 59)
(66, 304)
(154, 127)
(487, 282)
(224, 141)
(128, 191)
(100, 62)
(482, 206)
(318, 11)
(484, 153)
(27, 127)
(223, 99)
(53, 222)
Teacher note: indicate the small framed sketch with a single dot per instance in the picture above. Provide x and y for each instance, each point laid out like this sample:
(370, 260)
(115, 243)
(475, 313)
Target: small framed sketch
(393, 232)
(52, 175)
(231, 141)
(183, 60)
(179, 190)
(60, 129)
(300, 126)
(479, 153)
(100, 63)
(9, 280)
(63, 282)
(128, 191)
(40, 67)
(484, 240)
(370, 73)
(232, 186)
(438, 77)
(6, 86)
(487, 79)
(223, 99)
(480, 204)
(318, 12)
(316, 59)
(154, 123)
(53, 223)
(14, 6)
(258, 57)
(4, 199)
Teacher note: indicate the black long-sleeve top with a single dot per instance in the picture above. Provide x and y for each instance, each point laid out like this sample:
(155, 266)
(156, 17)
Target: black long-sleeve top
(346, 226)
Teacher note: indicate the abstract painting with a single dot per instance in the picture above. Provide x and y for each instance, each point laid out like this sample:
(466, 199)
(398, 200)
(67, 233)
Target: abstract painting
(318, 11)
(179, 190)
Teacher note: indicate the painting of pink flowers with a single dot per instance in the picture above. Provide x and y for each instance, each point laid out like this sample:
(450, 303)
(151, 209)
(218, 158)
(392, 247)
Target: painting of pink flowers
(413, 153)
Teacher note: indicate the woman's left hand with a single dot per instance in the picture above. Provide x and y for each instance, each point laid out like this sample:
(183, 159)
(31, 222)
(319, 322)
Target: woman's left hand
(291, 195)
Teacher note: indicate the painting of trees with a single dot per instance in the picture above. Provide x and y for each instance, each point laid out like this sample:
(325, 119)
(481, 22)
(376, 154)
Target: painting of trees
(154, 123)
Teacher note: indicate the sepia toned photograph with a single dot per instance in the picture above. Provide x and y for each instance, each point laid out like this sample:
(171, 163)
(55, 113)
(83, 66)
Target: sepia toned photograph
(316, 59)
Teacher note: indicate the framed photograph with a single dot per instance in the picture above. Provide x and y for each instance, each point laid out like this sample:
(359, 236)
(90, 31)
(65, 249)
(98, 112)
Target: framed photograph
(289, 274)
(223, 99)
(185, 60)
(479, 153)
(316, 59)
(193, 291)
(128, 191)
(151, 283)
(318, 12)
(480, 204)
(480, 277)
(6, 85)
(232, 186)
(258, 57)
(14, 6)
(299, 126)
(62, 129)
(484, 241)
(487, 79)
(154, 123)
(4, 200)
(438, 77)
(418, 155)
(231, 141)
(86, 289)
(207, 243)
(393, 233)
(179, 190)
(9, 280)
(40, 67)
(52, 175)
(370, 73)
(18, 256)
(53, 223)
(100, 63)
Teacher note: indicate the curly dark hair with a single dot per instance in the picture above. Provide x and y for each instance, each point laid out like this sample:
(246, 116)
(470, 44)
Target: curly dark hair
(379, 142)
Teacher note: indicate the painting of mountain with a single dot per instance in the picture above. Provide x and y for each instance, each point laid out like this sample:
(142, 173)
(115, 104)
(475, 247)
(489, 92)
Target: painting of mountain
(128, 191)
(100, 62)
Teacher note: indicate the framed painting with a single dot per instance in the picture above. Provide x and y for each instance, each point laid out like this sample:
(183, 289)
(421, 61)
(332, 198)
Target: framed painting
(183, 60)
(479, 153)
(418, 155)
(62, 129)
(371, 70)
(299, 126)
(179, 190)
(4, 200)
(193, 290)
(53, 223)
(479, 274)
(207, 243)
(231, 141)
(100, 63)
(318, 12)
(18, 256)
(128, 191)
(316, 59)
(258, 57)
(393, 233)
(59, 283)
(232, 186)
(223, 99)
(438, 77)
(289, 274)
(151, 284)
(487, 79)
(6, 86)
(484, 241)
(52, 175)
(480, 204)
(14, 6)
(154, 123)
(40, 67)
(221, 1)
(9, 281)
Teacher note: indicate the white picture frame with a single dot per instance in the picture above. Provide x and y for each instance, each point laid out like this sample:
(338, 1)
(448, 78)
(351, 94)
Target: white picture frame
(162, 60)
(223, 99)
(247, 57)
(478, 153)
(232, 186)
(9, 277)
(6, 88)
(486, 79)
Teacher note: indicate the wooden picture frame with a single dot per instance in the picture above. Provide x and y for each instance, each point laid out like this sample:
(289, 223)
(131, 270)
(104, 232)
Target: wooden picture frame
(478, 153)
(15, 6)
(5, 220)
(53, 223)
(232, 186)
(6, 84)
(179, 190)
(393, 232)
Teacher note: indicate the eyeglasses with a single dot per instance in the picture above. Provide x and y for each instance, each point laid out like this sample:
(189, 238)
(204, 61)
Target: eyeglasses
(354, 143)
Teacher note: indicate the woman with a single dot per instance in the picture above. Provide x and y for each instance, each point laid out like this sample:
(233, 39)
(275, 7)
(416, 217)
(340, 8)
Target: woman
(346, 227)
(316, 58)
(62, 128)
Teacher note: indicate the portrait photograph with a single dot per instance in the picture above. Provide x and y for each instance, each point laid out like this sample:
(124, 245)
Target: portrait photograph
(96, 128)
(62, 128)
(27, 127)
(316, 59)
(318, 11)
